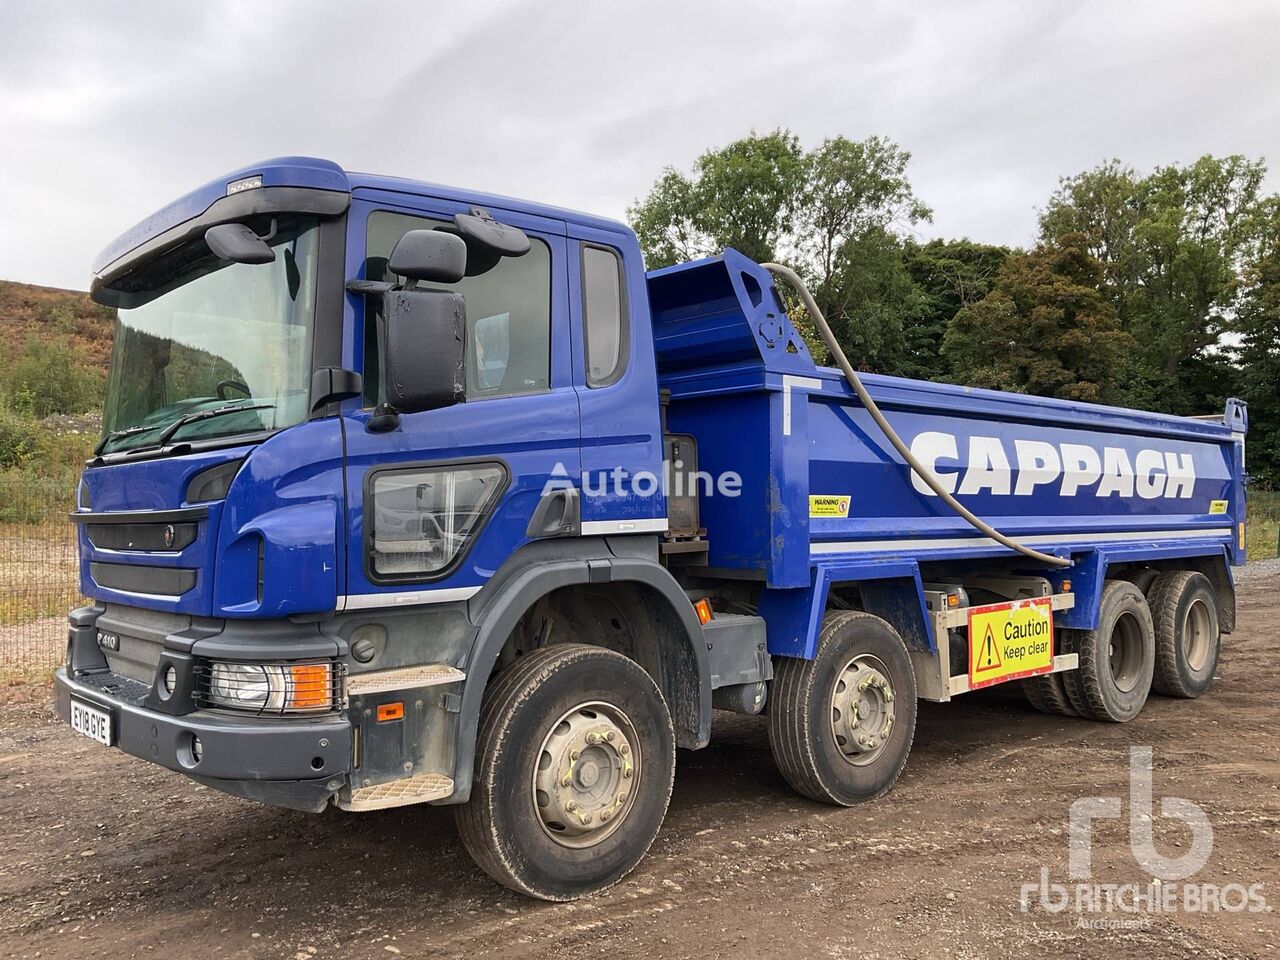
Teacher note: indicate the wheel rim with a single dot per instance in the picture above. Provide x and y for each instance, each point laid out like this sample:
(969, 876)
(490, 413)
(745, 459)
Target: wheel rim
(1126, 653)
(1197, 635)
(862, 709)
(585, 779)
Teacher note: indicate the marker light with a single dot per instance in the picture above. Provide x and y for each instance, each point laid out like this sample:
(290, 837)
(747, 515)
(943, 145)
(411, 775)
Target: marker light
(390, 711)
(244, 183)
(705, 613)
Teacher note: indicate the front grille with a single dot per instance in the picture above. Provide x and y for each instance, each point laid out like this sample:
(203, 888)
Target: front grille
(287, 681)
(132, 578)
(132, 639)
(141, 536)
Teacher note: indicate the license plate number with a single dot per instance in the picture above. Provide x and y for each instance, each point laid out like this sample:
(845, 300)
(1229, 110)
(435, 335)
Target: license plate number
(92, 722)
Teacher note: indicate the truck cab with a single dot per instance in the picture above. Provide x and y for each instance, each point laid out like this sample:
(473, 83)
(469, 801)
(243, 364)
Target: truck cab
(410, 494)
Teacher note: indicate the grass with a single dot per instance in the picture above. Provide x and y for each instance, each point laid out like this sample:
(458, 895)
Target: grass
(1263, 527)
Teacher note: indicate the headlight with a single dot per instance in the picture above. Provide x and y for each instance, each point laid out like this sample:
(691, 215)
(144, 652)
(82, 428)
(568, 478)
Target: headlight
(271, 687)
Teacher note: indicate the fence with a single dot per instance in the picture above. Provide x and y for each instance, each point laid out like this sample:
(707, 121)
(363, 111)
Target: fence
(38, 573)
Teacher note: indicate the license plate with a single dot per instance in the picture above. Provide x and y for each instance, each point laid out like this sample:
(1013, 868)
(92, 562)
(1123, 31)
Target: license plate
(93, 722)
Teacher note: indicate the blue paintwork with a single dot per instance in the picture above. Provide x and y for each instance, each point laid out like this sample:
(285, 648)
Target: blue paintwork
(743, 383)
(280, 172)
(722, 369)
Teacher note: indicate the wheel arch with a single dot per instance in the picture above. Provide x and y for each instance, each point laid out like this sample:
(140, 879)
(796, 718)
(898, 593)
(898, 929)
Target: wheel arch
(674, 644)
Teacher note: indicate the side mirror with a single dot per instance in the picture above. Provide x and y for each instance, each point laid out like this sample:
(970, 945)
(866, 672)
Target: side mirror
(488, 241)
(426, 338)
(236, 243)
(429, 255)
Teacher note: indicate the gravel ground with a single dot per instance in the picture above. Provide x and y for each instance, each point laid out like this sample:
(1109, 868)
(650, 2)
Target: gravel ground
(105, 855)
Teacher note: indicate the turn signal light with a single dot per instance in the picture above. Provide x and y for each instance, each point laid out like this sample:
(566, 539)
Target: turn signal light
(705, 613)
(390, 711)
(953, 600)
(309, 687)
(1066, 586)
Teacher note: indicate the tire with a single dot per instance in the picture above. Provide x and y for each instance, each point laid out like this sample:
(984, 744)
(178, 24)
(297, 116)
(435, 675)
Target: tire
(548, 711)
(1047, 694)
(1184, 607)
(812, 702)
(1117, 660)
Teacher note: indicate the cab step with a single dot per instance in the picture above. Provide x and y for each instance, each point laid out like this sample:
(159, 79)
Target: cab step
(402, 678)
(398, 793)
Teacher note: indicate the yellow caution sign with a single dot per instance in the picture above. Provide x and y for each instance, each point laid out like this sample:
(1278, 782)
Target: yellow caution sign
(1008, 641)
(1217, 507)
(827, 505)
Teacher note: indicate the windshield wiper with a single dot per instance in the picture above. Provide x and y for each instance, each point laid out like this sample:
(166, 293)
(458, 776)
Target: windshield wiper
(206, 415)
(120, 435)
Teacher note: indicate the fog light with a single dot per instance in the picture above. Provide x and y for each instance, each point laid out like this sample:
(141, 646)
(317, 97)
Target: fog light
(170, 680)
(197, 748)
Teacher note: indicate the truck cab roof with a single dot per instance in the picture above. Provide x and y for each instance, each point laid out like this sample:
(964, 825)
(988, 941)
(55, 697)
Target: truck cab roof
(234, 193)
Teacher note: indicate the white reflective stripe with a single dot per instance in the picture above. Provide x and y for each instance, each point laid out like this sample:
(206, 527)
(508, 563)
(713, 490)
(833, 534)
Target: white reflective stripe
(597, 527)
(370, 601)
(868, 546)
(788, 383)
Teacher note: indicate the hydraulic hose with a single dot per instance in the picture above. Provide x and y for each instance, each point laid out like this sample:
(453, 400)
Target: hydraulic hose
(925, 474)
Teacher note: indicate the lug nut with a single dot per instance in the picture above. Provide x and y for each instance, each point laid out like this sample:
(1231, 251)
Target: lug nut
(624, 749)
(604, 816)
(586, 818)
(627, 773)
(573, 755)
(571, 806)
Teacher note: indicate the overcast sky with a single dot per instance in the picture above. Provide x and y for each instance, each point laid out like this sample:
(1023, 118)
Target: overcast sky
(110, 110)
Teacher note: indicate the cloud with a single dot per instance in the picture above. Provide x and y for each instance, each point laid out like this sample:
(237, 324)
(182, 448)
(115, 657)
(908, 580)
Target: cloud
(111, 110)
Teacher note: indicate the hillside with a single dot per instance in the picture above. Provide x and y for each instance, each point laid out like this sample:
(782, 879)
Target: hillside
(54, 316)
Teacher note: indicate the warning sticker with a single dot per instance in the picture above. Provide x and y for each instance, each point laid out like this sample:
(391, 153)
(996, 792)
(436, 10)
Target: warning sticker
(829, 505)
(1217, 506)
(1008, 641)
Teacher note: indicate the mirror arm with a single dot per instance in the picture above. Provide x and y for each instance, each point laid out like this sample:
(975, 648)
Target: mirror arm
(369, 286)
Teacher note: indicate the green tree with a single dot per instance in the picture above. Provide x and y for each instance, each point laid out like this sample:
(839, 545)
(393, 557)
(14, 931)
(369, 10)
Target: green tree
(948, 276)
(832, 213)
(743, 196)
(1258, 353)
(1173, 245)
(1043, 329)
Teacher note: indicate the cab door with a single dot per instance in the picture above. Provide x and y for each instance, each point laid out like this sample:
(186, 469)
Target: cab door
(615, 372)
(436, 504)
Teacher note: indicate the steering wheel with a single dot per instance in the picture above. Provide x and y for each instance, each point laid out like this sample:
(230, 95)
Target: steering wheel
(222, 386)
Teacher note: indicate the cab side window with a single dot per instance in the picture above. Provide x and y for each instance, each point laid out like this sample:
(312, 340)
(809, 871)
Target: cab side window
(508, 306)
(604, 310)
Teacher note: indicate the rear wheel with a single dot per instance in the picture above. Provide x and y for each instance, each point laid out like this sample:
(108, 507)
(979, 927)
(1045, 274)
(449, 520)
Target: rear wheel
(1117, 659)
(1048, 695)
(575, 761)
(1185, 609)
(841, 724)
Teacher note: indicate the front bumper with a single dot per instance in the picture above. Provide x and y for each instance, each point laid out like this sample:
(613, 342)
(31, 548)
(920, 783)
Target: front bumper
(293, 762)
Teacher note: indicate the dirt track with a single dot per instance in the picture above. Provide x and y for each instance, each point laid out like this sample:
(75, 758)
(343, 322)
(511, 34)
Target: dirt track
(108, 856)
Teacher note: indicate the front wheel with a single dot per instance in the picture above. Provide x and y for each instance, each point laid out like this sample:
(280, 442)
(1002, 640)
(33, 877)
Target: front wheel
(575, 762)
(841, 724)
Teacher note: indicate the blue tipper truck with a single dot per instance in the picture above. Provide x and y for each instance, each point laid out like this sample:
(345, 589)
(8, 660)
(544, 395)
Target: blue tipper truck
(408, 494)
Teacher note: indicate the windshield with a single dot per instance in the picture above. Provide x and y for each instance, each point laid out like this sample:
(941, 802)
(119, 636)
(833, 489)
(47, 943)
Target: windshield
(225, 346)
